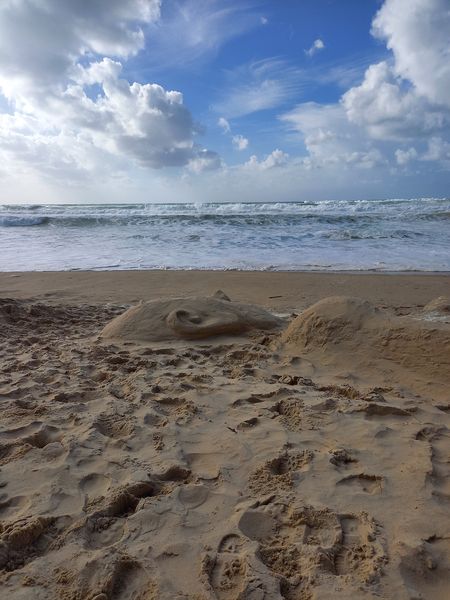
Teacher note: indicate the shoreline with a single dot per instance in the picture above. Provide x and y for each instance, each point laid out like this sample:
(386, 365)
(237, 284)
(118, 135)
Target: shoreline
(286, 290)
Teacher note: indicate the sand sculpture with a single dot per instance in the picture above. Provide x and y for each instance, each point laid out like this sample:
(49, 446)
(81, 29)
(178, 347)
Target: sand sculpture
(356, 337)
(189, 319)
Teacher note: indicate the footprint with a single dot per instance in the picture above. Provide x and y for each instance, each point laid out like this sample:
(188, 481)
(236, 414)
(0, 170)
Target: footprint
(24, 539)
(291, 413)
(113, 576)
(369, 484)
(303, 546)
(114, 426)
(439, 476)
(105, 526)
(47, 434)
(129, 581)
(95, 484)
(280, 472)
(340, 457)
(228, 573)
(358, 554)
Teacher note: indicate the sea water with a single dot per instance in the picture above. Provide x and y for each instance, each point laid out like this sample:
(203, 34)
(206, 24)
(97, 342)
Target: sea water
(380, 235)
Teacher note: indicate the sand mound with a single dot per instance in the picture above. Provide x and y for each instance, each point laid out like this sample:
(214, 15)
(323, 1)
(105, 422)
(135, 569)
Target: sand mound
(359, 339)
(330, 321)
(439, 305)
(188, 318)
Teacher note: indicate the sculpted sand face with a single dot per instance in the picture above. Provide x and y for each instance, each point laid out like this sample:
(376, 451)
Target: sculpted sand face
(188, 319)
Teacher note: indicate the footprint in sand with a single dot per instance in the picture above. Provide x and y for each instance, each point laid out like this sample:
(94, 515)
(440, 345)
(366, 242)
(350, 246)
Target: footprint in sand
(302, 546)
(228, 570)
(105, 525)
(95, 485)
(356, 555)
(439, 476)
(340, 457)
(15, 443)
(281, 472)
(113, 577)
(24, 539)
(114, 426)
(369, 484)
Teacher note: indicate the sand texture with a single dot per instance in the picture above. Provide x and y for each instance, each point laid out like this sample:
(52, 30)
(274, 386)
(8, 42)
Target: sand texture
(299, 458)
(188, 318)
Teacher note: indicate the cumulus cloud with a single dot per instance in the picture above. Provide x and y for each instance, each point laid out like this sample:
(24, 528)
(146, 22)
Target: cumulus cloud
(316, 46)
(277, 158)
(240, 142)
(403, 157)
(417, 32)
(329, 137)
(400, 99)
(438, 150)
(49, 78)
(40, 39)
(407, 98)
(205, 160)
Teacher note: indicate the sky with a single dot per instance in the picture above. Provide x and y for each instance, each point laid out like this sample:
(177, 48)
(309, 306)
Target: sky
(223, 100)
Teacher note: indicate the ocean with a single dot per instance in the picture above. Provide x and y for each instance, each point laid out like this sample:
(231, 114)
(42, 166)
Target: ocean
(378, 235)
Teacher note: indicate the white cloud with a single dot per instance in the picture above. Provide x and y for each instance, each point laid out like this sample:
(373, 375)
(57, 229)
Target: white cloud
(329, 137)
(205, 160)
(277, 158)
(418, 33)
(223, 123)
(316, 46)
(39, 39)
(240, 142)
(264, 20)
(403, 157)
(438, 150)
(401, 99)
(390, 108)
(48, 77)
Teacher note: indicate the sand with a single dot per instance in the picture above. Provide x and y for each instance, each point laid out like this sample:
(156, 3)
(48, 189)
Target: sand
(307, 460)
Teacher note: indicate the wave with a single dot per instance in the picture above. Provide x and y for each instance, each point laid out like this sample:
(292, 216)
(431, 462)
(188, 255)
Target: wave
(205, 209)
(23, 221)
(306, 219)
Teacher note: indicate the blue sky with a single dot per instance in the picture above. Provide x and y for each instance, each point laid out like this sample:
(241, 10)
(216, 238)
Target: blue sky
(166, 100)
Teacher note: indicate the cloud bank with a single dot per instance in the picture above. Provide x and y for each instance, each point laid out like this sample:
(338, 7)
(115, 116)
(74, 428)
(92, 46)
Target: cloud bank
(400, 112)
(70, 111)
(69, 103)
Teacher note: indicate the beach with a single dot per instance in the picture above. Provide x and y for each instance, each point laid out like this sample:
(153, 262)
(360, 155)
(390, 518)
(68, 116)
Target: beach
(290, 443)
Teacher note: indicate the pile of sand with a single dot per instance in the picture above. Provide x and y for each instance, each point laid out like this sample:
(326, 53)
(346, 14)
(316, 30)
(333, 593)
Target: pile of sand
(188, 318)
(362, 341)
(439, 305)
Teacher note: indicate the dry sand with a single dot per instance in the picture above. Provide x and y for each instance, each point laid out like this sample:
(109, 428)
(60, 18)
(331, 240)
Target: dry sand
(305, 460)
